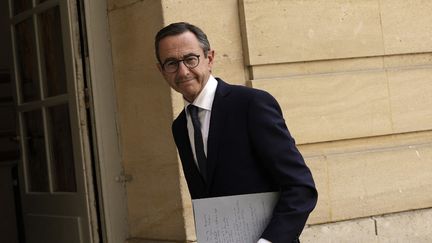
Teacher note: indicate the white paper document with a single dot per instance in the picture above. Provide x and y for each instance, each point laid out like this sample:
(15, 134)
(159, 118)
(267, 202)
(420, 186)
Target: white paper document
(233, 219)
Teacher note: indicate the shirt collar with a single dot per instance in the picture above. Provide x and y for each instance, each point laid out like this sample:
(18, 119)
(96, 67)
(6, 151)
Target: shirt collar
(205, 98)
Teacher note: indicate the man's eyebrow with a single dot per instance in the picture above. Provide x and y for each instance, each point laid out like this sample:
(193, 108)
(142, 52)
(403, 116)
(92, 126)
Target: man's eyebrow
(170, 59)
(184, 56)
(190, 54)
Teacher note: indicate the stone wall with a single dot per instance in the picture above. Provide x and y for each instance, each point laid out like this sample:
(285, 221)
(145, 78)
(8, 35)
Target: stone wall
(149, 155)
(353, 78)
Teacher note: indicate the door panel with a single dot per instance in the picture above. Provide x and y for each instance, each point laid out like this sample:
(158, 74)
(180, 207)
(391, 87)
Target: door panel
(25, 60)
(55, 166)
(49, 228)
(62, 157)
(20, 6)
(35, 152)
(52, 54)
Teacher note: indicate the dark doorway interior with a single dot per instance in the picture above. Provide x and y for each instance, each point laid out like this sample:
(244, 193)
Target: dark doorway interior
(10, 220)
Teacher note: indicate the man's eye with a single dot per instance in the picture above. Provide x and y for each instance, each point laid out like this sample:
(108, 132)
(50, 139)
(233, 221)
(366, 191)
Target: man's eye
(171, 64)
(190, 60)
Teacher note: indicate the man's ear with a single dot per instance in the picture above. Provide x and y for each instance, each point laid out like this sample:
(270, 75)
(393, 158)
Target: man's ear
(210, 56)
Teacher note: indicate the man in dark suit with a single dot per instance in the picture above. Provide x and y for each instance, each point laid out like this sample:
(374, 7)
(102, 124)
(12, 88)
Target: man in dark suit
(233, 139)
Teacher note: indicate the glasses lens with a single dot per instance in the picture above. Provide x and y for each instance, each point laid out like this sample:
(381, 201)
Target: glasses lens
(170, 66)
(191, 61)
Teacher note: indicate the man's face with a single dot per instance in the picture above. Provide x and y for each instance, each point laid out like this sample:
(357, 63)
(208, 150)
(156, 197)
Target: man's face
(187, 81)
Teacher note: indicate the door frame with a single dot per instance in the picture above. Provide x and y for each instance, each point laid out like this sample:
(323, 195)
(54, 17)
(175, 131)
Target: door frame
(108, 167)
(43, 208)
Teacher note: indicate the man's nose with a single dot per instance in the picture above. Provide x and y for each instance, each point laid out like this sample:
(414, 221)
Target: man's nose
(182, 69)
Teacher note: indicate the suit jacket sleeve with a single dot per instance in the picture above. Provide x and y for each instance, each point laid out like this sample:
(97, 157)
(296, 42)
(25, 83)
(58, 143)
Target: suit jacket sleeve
(275, 147)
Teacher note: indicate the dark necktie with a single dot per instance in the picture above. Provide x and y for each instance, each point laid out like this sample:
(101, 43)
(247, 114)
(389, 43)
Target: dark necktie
(199, 145)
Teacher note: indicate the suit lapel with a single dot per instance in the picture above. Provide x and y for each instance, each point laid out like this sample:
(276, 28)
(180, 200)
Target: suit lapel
(217, 121)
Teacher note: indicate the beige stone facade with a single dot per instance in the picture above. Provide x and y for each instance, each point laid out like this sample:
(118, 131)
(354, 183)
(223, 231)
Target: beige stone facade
(354, 79)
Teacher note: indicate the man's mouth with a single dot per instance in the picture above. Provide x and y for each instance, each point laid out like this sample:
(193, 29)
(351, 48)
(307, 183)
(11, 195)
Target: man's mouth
(183, 81)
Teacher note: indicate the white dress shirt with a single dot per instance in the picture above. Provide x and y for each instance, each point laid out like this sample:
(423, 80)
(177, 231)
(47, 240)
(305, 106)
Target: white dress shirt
(204, 101)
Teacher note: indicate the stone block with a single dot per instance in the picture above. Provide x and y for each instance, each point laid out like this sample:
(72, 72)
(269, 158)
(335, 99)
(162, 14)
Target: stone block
(406, 26)
(359, 230)
(411, 99)
(319, 168)
(293, 31)
(355, 104)
(371, 176)
(380, 181)
(140, 88)
(411, 226)
(332, 107)
(348, 157)
(155, 203)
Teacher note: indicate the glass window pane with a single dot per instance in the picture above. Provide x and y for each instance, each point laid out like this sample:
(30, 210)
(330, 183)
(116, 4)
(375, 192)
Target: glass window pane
(21, 5)
(37, 169)
(26, 58)
(63, 169)
(51, 43)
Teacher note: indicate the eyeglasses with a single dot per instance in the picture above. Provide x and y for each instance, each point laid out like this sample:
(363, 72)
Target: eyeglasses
(171, 66)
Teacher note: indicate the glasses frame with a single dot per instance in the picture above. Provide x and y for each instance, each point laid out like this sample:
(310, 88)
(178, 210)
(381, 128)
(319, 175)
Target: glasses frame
(177, 62)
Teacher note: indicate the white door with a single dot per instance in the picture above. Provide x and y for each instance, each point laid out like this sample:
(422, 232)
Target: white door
(55, 167)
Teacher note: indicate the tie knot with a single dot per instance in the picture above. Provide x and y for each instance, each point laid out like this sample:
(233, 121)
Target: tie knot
(193, 110)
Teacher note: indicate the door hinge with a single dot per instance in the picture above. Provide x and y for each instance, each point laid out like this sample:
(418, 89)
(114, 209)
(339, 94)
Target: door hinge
(123, 178)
